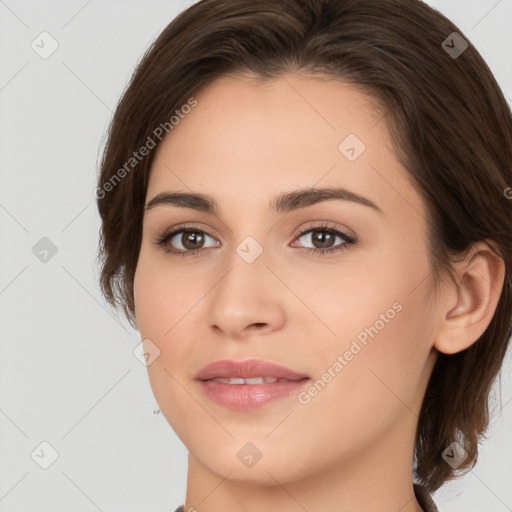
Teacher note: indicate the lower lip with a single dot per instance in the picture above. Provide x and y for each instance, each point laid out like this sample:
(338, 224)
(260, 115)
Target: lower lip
(249, 396)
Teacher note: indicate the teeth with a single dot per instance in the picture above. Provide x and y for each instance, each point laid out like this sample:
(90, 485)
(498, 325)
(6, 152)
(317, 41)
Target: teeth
(255, 380)
(251, 380)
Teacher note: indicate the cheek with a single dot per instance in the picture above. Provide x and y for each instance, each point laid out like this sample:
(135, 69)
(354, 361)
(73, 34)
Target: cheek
(161, 296)
(378, 337)
(161, 300)
(374, 389)
(166, 310)
(377, 298)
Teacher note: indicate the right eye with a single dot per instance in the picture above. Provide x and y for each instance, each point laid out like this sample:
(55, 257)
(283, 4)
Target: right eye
(185, 242)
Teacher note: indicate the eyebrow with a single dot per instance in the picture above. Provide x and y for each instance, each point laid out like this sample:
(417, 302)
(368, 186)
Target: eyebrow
(285, 202)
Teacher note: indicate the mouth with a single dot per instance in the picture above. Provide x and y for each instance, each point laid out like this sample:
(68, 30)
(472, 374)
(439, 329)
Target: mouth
(250, 380)
(249, 384)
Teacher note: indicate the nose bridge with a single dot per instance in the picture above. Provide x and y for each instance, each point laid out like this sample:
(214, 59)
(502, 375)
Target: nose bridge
(246, 262)
(245, 295)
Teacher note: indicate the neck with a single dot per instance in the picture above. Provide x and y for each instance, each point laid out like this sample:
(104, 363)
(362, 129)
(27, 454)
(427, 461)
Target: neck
(377, 479)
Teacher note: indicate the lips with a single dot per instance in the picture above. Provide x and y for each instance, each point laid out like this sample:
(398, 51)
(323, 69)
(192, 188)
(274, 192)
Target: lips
(248, 369)
(246, 385)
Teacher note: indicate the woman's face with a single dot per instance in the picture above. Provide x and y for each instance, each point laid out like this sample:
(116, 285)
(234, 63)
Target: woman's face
(272, 279)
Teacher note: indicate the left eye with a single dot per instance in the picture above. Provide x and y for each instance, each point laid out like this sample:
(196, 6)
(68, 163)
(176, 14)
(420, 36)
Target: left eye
(322, 239)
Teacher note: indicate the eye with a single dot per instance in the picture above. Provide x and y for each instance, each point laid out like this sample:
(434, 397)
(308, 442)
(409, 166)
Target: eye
(323, 239)
(181, 241)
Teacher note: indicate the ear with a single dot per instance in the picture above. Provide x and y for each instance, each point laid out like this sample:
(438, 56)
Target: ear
(469, 304)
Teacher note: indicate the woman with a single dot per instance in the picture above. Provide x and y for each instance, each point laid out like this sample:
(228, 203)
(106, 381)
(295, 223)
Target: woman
(306, 213)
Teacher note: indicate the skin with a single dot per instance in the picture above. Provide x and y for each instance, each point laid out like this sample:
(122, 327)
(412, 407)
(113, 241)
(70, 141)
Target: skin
(351, 446)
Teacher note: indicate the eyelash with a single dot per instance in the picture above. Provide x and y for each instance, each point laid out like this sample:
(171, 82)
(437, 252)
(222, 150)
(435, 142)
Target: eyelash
(348, 240)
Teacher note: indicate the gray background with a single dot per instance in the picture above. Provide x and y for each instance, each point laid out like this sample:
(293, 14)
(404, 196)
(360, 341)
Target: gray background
(68, 375)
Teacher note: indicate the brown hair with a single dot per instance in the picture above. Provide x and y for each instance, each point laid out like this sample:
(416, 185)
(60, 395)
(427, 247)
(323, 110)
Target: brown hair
(450, 125)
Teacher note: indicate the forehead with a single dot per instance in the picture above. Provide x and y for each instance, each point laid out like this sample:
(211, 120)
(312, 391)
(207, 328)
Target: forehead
(260, 138)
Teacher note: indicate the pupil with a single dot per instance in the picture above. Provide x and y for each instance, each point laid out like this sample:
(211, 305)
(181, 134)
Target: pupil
(322, 238)
(192, 240)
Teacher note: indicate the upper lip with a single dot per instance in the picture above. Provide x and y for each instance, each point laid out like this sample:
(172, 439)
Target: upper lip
(246, 369)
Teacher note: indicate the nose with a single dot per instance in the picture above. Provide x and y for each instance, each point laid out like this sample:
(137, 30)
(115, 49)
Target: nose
(248, 299)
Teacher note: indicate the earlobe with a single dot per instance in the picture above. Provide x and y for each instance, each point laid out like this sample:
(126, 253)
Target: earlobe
(480, 278)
